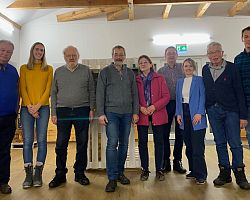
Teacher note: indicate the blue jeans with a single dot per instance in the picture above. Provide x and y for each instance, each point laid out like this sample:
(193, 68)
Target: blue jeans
(66, 118)
(158, 132)
(248, 131)
(226, 129)
(28, 124)
(117, 130)
(7, 132)
(195, 146)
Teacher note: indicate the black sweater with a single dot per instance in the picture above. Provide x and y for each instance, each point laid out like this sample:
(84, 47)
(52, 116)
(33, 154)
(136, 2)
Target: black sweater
(227, 90)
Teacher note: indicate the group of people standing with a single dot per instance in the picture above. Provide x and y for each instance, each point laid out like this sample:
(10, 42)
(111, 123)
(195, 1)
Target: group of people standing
(156, 98)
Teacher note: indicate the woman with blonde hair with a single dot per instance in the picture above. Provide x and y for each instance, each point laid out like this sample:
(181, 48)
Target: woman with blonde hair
(191, 116)
(35, 85)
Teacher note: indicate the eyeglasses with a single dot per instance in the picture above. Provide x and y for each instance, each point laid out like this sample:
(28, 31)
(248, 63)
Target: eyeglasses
(71, 56)
(213, 52)
(143, 63)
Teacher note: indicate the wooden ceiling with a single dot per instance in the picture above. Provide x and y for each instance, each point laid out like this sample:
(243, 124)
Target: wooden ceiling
(113, 9)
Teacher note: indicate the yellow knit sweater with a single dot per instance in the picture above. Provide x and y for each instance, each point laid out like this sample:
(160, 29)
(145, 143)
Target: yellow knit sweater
(35, 85)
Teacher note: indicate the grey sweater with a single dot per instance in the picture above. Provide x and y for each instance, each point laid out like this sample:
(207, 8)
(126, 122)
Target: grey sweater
(116, 92)
(72, 89)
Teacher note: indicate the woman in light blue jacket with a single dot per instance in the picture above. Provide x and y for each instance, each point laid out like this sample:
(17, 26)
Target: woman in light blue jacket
(190, 112)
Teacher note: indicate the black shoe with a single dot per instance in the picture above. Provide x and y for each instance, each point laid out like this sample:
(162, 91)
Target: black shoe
(224, 176)
(160, 176)
(200, 181)
(241, 179)
(82, 179)
(57, 181)
(123, 179)
(5, 189)
(190, 176)
(110, 187)
(178, 167)
(144, 175)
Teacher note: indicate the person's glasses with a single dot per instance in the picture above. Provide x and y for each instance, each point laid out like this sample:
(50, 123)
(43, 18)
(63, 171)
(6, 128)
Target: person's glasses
(213, 52)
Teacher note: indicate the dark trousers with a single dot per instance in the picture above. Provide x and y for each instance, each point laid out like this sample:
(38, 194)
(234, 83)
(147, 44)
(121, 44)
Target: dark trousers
(7, 132)
(178, 135)
(66, 117)
(195, 146)
(158, 132)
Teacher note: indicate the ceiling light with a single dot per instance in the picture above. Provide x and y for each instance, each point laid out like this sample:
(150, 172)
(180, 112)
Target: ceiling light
(187, 38)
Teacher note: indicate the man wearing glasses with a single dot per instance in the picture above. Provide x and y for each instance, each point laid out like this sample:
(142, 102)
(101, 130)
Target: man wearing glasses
(72, 104)
(227, 113)
(117, 106)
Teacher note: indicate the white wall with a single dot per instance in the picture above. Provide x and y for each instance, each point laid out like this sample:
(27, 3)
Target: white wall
(15, 39)
(96, 37)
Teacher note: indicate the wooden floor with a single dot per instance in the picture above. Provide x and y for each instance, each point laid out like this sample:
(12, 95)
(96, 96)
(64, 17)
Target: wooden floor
(175, 187)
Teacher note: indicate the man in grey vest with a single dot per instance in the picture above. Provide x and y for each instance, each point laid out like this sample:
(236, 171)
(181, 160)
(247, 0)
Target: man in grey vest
(72, 103)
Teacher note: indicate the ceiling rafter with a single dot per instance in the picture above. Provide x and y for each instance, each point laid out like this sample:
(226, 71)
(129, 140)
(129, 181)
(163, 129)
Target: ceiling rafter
(113, 15)
(238, 6)
(10, 21)
(41, 4)
(202, 9)
(131, 11)
(87, 12)
(166, 11)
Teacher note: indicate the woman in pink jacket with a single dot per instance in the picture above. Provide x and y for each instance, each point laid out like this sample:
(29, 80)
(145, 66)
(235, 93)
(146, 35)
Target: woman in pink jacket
(153, 98)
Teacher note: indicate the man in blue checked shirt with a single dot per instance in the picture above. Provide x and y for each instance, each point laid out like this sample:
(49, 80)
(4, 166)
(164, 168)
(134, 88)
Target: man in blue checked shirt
(242, 61)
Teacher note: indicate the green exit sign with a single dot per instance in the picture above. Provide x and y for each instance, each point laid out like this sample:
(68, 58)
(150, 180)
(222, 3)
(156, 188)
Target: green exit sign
(181, 48)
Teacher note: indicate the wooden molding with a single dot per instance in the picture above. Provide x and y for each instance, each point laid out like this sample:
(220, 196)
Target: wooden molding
(166, 11)
(131, 12)
(85, 13)
(202, 9)
(238, 6)
(113, 15)
(40, 4)
(12, 22)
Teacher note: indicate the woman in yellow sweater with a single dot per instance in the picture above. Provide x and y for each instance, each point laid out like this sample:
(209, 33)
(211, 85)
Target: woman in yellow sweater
(35, 84)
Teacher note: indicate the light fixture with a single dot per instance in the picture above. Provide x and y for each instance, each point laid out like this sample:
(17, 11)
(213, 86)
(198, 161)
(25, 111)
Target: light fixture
(6, 26)
(186, 38)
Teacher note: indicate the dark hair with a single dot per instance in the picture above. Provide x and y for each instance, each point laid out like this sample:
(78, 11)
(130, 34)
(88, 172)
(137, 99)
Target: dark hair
(170, 47)
(245, 29)
(146, 57)
(118, 47)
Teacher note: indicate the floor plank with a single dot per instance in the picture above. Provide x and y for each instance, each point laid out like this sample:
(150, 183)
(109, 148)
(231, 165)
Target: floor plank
(175, 187)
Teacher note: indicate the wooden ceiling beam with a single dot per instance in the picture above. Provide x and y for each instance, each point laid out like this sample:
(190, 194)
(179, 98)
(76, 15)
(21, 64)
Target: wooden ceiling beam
(85, 13)
(10, 21)
(202, 9)
(131, 11)
(166, 11)
(238, 6)
(42, 4)
(113, 15)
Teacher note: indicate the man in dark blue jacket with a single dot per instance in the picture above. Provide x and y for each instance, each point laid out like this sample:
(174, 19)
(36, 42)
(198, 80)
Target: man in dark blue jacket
(8, 111)
(227, 113)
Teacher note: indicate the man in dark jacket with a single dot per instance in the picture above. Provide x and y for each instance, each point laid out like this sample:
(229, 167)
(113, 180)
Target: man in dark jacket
(227, 113)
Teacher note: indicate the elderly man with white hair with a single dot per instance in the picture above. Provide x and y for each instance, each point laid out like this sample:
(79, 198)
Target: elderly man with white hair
(72, 103)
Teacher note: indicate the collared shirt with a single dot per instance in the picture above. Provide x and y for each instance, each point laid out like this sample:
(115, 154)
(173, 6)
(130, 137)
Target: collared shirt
(70, 69)
(171, 75)
(216, 72)
(2, 67)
